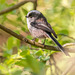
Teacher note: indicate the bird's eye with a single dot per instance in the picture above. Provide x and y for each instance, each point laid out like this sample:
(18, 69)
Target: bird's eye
(30, 16)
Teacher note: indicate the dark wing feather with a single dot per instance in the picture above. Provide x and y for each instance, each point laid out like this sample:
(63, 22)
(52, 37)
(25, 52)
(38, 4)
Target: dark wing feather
(52, 30)
(41, 26)
(42, 23)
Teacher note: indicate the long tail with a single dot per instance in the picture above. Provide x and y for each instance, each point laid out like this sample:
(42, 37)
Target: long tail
(58, 44)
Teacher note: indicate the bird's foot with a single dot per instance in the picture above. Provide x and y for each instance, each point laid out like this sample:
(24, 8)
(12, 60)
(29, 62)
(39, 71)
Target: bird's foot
(34, 40)
(44, 42)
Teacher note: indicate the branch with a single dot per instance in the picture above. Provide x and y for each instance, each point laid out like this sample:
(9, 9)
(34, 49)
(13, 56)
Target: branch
(16, 6)
(22, 38)
(35, 4)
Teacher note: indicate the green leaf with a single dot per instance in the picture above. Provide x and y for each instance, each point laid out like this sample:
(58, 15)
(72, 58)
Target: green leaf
(39, 53)
(25, 52)
(3, 69)
(24, 11)
(12, 42)
(17, 72)
(31, 63)
(29, 37)
(64, 31)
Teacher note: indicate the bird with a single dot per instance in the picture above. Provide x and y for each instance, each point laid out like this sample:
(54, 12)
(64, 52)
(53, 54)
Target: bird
(40, 28)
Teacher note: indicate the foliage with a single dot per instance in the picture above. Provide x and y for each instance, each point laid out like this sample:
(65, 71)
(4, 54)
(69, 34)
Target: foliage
(25, 59)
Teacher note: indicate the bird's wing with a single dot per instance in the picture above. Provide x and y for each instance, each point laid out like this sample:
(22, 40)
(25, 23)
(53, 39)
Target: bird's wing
(52, 30)
(42, 24)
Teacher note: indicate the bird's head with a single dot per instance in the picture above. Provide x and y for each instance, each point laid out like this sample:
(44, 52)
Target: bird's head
(32, 15)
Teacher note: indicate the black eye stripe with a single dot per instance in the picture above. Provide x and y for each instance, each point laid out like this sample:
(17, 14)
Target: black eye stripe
(32, 15)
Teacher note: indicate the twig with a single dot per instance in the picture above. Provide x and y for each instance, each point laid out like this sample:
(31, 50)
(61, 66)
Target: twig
(35, 4)
(69, 44)
(15, 6)
(67, 36)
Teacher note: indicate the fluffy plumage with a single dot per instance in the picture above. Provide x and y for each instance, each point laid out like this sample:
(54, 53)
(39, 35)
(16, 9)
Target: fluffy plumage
(40, 28)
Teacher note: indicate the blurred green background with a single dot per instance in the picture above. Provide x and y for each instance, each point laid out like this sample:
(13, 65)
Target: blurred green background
(18, 58)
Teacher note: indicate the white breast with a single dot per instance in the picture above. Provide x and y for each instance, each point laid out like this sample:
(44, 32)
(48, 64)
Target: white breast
(28, 24)
(37, 33)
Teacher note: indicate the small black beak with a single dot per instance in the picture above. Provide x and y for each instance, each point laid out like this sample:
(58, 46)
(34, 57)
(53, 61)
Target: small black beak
(26, 16)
